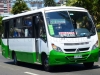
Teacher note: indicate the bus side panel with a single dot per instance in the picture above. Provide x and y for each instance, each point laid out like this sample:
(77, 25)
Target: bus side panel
(24, 49)
(29, 57)
(4, 48)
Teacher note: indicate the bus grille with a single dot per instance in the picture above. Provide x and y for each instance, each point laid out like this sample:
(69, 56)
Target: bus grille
(80, 49)
(76, 43)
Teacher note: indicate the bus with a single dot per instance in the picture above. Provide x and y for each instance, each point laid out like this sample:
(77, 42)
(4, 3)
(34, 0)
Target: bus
(51, 36)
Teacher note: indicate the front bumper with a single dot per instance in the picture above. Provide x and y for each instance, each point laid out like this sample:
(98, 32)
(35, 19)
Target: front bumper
(59, 58)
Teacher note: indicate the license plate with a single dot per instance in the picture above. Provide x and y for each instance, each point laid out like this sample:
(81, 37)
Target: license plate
(78, 56)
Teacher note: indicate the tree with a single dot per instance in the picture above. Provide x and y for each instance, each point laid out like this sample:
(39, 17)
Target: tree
(19, 6)
(71, 2)
(1, 20)
(91, 5)
(1, 25)
(49, 3)
(61, 3)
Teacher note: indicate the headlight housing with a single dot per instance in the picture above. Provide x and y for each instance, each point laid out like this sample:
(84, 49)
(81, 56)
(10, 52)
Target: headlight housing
(56, 48)
(95, 45)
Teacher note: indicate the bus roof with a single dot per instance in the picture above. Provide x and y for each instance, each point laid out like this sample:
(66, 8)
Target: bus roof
(44, 9)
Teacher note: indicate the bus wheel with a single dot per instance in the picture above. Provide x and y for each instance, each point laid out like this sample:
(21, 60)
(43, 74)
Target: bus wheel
(89, 64)
(46, 65)
(15, 59)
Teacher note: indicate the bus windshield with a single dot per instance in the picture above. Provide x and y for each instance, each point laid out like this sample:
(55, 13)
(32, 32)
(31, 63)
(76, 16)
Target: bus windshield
(69, 24)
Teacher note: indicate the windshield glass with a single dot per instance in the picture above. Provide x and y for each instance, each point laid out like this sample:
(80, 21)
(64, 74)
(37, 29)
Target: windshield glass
(69, 24)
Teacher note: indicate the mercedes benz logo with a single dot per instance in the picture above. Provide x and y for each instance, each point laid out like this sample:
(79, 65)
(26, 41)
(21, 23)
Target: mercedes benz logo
(77, 50)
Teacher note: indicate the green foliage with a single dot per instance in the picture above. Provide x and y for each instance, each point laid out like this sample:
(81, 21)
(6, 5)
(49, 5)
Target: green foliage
(19, 6)
(1, 25)
(71, 2)
(0, 41)
(49, 3)
(1, 20)
(98, 26)
(0, 28)
(91, 5)
(99, 38)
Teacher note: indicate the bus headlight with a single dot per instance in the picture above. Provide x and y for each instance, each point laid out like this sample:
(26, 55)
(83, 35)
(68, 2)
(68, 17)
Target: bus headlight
(95, 45)
(56, 48)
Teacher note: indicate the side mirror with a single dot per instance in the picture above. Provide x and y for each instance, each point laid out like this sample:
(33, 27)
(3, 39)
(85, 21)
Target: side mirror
(44, 37)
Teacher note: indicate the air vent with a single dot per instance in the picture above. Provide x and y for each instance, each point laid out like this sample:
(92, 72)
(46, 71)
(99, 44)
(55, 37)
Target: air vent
(76, 43)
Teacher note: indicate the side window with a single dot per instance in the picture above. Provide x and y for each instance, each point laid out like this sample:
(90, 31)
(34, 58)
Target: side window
(21, 27)
(42, 30)
(6, 29)
(17, 27)
(11, 28)
(27, 26)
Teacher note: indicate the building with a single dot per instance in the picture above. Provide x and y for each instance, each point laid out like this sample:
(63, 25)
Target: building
(36, 3)
(62, 2)
(33, 8)
(5, 7)
(1, 8)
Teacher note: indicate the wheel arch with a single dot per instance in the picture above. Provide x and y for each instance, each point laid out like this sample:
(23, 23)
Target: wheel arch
(43, 55)
(13, 52)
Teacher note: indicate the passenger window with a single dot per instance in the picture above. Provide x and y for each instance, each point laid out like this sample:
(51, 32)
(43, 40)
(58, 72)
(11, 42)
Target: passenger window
(6, 31)
(27, 26)
(17, 23)
(11, 30)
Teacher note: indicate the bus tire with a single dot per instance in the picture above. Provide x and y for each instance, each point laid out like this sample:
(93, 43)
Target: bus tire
(15, 59)
(89, 64)
(45, 63)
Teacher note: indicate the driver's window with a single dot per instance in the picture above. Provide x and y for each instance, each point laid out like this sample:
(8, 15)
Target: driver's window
(42, 30)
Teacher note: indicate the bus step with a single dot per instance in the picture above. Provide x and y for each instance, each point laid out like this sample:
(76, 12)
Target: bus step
(37, 63)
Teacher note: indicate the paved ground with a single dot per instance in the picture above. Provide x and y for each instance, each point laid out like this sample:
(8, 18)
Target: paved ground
(8, 68)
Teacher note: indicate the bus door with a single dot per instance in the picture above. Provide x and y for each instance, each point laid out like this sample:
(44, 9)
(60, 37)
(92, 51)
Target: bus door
(37, 46)
(5, 44)
(40, 34)
(36, 34)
